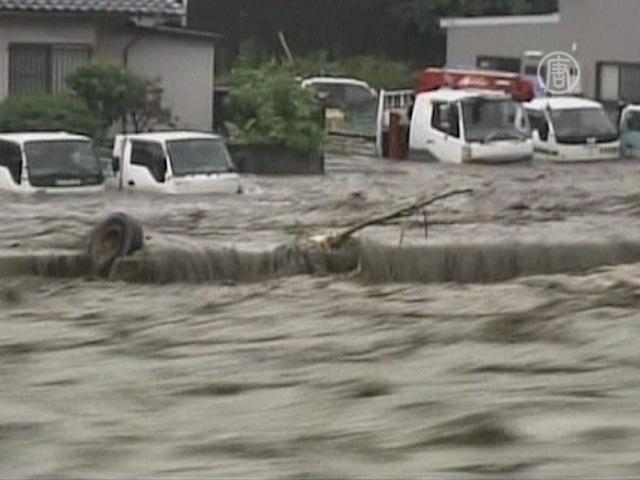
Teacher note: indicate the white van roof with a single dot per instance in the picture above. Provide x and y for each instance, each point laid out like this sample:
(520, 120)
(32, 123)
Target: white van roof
(562, 103)
(454, 94)
(336, 80)
(24, 137)
(170, 135)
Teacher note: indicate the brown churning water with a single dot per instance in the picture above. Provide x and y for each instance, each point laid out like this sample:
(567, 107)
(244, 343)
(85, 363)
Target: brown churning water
(377, 263)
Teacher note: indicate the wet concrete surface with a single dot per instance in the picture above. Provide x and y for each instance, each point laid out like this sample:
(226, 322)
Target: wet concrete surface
(330, 377)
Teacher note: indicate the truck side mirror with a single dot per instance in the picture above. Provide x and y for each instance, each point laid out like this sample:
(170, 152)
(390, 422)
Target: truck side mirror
(115, 164)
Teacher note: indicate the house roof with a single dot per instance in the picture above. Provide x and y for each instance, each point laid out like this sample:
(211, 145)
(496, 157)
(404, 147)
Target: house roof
(501, 20)
(166, 7)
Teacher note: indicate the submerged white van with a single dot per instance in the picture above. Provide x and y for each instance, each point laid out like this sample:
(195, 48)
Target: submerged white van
(572, 129)
(174, 162)
(51, 162)
(466, 125)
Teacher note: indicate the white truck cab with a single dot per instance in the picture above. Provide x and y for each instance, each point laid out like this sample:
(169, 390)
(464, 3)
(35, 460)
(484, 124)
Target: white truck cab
(459, 116)
(630, 131)
(49, 162)
(570, 129)
(174, 163)
(460, 126)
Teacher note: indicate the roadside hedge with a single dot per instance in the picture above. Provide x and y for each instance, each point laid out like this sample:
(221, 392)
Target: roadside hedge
(47, 112)
(268, 106)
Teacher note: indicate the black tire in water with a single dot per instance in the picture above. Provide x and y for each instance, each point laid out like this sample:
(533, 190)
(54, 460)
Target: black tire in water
(116, 236)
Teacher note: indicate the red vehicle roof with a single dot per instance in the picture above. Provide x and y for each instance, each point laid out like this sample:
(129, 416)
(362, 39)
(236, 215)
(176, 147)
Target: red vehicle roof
(434, 78)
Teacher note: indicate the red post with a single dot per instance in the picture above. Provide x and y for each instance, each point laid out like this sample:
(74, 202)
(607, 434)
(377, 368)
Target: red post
(395, 137)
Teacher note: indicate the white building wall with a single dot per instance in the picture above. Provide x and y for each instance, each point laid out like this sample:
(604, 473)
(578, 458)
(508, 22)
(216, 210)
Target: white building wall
(186, 67)
(14, 29)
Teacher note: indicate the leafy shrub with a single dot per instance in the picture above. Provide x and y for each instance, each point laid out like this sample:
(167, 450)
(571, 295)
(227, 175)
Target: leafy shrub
(379, 72)
(267, 105)
(114, 93)
(47, 112)
(110, 92)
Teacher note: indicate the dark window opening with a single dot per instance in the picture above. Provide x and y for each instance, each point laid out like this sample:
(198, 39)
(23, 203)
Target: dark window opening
(503, 64)
(11, 158)
(150, 155)
(446, 119)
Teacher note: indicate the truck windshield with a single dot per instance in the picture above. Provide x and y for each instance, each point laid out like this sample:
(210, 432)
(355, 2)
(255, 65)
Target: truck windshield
(199, 156)
(54, 162)
(576, 125)
(487, 120)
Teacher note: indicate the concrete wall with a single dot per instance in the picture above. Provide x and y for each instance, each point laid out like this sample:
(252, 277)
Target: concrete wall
(601, 31)
(14, 29)
(466, 43)
(186, 68)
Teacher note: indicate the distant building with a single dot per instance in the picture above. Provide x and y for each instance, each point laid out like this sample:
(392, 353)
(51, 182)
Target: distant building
(604, 37)
(43, 41)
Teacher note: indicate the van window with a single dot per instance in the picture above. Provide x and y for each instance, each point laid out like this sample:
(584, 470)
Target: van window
(11, 157)
(150, 155)
(446, 119)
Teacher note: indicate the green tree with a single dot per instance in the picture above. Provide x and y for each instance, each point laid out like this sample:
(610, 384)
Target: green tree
(110, 92)
(47, 112)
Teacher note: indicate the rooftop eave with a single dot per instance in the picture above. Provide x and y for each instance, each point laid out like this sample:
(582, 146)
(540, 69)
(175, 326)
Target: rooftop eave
(504, 20)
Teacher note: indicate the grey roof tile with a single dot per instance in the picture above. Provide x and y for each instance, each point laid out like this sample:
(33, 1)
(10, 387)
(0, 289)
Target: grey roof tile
(100, 6)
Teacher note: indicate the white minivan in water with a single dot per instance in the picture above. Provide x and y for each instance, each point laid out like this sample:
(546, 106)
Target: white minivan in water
(174, 162)
(572, 129)
(467, 125)
(49, 162)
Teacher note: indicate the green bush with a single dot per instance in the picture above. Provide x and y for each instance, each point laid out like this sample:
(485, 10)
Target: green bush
(47, 112)
(109, 91)
(267, 106)
(379, 72)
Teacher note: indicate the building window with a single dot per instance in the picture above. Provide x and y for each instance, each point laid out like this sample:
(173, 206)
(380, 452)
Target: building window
(504, 64)
(44, 68)
(619, 82)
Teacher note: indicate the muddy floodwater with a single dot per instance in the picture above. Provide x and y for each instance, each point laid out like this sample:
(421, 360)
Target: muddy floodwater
(330, 376)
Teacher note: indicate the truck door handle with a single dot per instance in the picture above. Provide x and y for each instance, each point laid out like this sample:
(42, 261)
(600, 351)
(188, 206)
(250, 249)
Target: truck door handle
(132, 183)
(430, 142)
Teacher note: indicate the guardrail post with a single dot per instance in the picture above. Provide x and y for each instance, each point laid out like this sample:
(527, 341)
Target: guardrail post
(395, 137)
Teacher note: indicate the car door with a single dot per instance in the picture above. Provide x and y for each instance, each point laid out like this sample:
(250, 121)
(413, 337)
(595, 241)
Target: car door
(147, 166)
(540, 130)
(445, 132)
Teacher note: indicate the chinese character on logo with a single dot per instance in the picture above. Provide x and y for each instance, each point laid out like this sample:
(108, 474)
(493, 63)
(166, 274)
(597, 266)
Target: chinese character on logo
(562, 73)
(559, 73)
